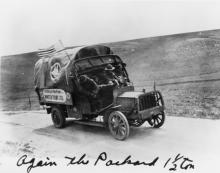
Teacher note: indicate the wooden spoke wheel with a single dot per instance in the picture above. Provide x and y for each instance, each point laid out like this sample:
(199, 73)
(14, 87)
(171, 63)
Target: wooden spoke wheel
(157, 120)
(118, 125)
(58, 117)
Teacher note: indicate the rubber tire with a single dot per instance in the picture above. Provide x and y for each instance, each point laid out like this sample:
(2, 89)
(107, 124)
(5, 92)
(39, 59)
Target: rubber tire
(159, 124)
(125, 122)
(60, 115)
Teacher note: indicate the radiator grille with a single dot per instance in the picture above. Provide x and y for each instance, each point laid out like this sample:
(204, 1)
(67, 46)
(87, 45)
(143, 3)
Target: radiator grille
(147, 101)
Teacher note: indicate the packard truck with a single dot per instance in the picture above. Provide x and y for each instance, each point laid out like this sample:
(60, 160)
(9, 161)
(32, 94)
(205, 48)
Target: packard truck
(119, 106)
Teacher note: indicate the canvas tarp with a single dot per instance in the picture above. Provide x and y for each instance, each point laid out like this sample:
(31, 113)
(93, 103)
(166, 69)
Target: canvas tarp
(54, 72)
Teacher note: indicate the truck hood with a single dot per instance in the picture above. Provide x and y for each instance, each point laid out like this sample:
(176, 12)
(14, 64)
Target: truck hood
(131, 94)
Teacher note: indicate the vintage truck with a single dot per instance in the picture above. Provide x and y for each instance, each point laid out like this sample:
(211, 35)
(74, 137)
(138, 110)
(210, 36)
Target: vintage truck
(119, 105)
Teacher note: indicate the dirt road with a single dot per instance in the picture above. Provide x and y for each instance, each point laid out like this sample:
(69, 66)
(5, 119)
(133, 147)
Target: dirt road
(32, 133)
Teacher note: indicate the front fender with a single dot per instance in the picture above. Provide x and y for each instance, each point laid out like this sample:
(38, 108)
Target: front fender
(107, 112)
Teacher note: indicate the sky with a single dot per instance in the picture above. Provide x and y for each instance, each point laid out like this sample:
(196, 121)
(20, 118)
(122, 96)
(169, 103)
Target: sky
(27, 25)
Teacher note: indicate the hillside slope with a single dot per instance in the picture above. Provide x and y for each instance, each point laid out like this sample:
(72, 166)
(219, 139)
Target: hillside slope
(17, 81)
(191, 61)
(169, 57)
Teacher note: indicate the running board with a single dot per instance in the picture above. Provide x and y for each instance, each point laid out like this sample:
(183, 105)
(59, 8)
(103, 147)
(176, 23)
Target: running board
(90, 123)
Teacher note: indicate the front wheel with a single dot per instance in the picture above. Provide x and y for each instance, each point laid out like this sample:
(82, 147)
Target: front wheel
(118, 125)
(58, 117)
(157, 120)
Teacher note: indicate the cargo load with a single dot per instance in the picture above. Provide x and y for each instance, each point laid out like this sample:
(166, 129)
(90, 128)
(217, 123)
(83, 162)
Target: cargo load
(54, 71)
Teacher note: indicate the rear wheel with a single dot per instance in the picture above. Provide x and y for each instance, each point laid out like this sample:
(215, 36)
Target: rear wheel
(58, 117)
(118, 125)
(157, 120)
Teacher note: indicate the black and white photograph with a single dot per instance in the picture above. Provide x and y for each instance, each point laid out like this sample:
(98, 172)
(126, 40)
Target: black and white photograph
(109, 86)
